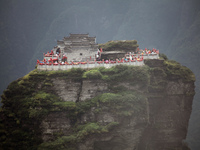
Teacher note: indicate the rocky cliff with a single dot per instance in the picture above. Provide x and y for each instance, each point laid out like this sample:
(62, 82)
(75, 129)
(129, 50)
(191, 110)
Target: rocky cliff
(121, 108)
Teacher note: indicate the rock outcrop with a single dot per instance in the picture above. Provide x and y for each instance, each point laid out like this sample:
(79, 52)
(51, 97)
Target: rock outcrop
(121, 108)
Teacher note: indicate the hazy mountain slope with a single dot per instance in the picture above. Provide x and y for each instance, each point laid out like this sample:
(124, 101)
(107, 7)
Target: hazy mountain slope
(152, 23)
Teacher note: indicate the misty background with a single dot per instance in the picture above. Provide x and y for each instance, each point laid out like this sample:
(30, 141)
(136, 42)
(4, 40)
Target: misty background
(29, 28)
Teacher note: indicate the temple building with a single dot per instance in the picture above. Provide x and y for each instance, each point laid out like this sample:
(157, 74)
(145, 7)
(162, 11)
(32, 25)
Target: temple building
(78, 47)
(82, 51)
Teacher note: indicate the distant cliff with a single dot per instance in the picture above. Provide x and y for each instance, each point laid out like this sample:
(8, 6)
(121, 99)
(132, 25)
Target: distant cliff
(120, 108)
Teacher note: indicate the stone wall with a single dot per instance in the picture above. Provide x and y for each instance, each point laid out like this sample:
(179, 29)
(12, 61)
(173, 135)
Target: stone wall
(93, 64)
(87, 65)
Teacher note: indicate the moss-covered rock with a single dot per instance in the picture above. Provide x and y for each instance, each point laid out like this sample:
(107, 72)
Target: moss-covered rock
(175, 71)
(32, 103)
(127, 45)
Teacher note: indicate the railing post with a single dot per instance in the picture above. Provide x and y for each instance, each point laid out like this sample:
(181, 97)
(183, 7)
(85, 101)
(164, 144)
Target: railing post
(87, 64)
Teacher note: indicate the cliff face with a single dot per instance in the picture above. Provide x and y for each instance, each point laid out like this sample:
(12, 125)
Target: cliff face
(124, 107)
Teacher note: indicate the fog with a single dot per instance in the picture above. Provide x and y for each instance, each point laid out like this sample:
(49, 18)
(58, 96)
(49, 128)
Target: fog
(30, 28)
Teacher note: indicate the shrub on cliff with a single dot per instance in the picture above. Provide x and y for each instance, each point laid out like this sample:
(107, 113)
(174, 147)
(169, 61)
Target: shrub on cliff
(163, 56)
(92, 74)
(128, 45)
(119, 73)
(177, 71)
(80, 132)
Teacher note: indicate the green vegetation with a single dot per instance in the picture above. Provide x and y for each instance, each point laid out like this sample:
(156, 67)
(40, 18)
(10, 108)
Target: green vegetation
(67, 106)
(128, 45)
(133, 103)
(93, 74)
(177, 71)
(158, 80)
(74, 73)
(30, 99)
(80, 132)
(28, 105)
(119, 73)
(122, 104)
(163, 56)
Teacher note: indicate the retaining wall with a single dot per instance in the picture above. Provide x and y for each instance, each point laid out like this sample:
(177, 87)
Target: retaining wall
(86, 65)
(89, 64)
